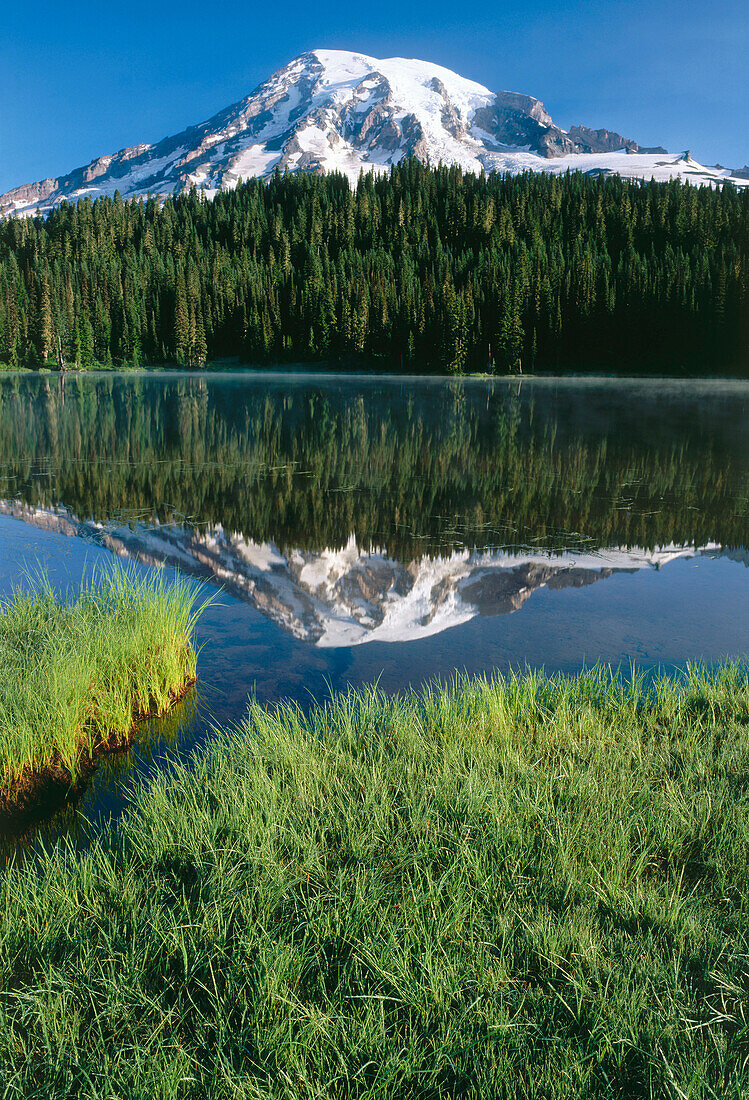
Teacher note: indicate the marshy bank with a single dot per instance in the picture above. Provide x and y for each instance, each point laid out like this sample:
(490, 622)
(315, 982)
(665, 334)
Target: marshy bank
(528, 887)
(78, 673)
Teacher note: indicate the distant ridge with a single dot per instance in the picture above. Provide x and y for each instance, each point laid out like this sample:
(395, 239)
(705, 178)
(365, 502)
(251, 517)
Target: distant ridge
(332, 110)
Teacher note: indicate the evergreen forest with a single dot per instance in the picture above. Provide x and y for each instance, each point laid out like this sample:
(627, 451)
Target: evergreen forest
(424, 269)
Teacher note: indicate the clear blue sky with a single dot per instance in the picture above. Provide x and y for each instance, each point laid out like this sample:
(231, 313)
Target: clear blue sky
(78, 80)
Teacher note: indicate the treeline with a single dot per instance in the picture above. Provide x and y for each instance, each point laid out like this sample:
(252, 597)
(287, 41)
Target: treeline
(424, 269)
(308, 467)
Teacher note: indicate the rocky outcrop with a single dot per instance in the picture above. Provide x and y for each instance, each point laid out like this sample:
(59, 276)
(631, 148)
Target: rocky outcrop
(600, 141)
(521, 121)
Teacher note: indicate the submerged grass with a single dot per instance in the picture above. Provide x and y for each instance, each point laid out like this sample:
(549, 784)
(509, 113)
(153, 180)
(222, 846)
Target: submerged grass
(525, 888)
(75, 673)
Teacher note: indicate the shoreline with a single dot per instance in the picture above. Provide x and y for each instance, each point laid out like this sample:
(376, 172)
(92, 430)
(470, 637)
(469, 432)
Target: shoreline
(41, 792)
(79, 674)
(330, 371)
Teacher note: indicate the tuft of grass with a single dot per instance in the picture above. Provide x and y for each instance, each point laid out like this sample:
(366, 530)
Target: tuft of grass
(534, 887)
(76, 672)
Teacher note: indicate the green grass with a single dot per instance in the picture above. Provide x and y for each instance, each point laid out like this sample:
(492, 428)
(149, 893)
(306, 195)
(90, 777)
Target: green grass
(76, 672)
(526, 888)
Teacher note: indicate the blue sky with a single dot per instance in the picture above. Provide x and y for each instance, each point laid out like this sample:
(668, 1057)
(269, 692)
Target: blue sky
(78, 80)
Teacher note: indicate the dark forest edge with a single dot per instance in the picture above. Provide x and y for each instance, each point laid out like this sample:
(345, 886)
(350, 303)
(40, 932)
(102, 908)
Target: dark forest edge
(426, 269)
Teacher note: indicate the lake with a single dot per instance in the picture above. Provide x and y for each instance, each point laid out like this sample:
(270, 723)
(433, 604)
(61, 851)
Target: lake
(370, 529)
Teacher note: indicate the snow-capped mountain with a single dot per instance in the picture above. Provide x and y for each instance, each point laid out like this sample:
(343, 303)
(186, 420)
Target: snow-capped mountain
(344, 597)
(334, 110)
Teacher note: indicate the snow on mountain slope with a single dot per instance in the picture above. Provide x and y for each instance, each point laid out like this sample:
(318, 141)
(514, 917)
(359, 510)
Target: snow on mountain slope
(331, 110)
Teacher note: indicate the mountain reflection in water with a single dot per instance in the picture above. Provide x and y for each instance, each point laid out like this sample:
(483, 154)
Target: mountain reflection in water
(349, 596)
(411, 467)
(355, 510)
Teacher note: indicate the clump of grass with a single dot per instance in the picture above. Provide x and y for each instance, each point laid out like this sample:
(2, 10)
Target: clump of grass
(527, 888)
(75, 673)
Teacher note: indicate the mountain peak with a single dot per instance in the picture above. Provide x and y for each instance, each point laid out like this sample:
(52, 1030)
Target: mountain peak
(339, 110)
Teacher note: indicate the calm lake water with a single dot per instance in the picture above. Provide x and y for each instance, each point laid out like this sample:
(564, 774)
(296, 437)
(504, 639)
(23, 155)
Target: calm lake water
(374, 529)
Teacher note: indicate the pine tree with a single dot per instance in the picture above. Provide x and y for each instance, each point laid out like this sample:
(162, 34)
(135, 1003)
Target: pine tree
(181, 324)
(44, 322)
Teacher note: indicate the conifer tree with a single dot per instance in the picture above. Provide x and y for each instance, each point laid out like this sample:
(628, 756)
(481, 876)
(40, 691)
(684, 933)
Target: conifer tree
(430, 267)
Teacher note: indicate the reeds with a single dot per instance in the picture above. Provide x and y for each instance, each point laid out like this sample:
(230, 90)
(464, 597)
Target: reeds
(76, 672)
(529, 888)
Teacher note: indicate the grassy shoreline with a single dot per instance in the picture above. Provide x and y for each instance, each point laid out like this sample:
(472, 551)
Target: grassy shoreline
(77, 673)
(527, 888)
